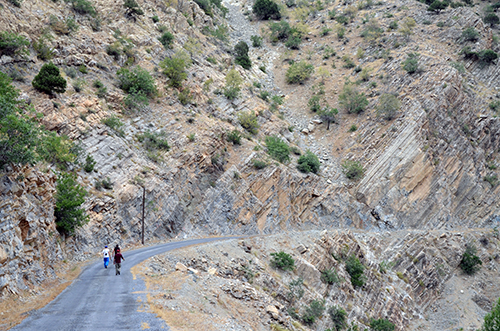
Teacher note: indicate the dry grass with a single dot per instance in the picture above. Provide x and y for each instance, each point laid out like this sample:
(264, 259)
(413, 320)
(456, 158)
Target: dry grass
(16, 308)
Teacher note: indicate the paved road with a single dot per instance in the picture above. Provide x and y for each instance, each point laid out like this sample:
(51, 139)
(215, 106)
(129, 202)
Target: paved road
(99, 300)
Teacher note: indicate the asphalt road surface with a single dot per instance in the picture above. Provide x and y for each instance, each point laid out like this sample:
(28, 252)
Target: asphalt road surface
(100, 300)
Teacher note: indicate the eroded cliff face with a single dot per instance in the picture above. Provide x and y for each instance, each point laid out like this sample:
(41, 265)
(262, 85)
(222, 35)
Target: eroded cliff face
(29, 244)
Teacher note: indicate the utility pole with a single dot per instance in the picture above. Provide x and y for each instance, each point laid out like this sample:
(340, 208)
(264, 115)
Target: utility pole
(143, 202)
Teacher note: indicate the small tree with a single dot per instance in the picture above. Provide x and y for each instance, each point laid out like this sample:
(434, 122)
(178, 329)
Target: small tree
(437, 6)
(470, 263)
(328, 115)
(382, 325)
(132, 8)
(283, 261)
(266, 9)
(351, 100)
(492, 319)
(241, 53)
(308, 162)
(69, 198)
(299, 72)
(339, 318)
(487, 56)
(49, 80)
(388, 105)
(491, 19)
(469, 34)
(233, 84)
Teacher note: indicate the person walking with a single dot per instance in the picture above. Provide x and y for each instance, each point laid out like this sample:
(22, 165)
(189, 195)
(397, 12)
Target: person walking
(117, 248)
(118, 261)
(105, 253)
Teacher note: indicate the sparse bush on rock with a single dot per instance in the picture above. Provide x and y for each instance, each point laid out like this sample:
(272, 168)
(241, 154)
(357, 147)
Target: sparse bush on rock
(49, 80)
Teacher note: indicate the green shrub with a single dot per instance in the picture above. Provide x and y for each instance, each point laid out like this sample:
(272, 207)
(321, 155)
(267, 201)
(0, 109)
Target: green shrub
(136, 81)
(115, 124)
(308, 162)
(155, 19)
(469, 34)
(132, 8)
(410, 65)
(19, 133)
(248, 121)
(330, 276)
(114, 50)
(266, 9)
(492, 319)
(69, 198)
(233, 83)
(353, 128)
(103, 183)
(393, 25)
(491, 19)
(487, 56)
(495, 105)
(264, 95)
(352, 169)
(296, 289)
(470, 262)
(175, 68)
(256, 41)
(153, 141)
(49, 80)
(491, 179)
(277, 148)
(280, 31)
(314, 311)
(314, 103)
(388, 105)
(234, 137)
(89, 164)
(185, 96)
(382, 325)
(339, 318)
(13, 44)
(299, 72)
(342, 19)
(293, 42)
(356, 270)
(58, 150)
(283, 261)
(241, 55)
(83, 7)
(351, 100)
(437, 6)
(259, 164)
(83, 69)
(166, 39)
(16, 3)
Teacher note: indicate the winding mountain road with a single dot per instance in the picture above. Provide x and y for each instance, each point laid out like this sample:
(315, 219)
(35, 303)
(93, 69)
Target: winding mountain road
(100, 300)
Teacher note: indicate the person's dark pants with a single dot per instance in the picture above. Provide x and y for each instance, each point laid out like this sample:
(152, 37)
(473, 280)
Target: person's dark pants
(117, 267)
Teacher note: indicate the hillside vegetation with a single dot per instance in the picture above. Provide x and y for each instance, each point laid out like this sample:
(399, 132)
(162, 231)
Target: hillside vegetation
(242, 118)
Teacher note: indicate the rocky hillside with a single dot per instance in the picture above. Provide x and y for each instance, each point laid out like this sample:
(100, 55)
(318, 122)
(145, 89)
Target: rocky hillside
(413, 279)
(430, 165)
